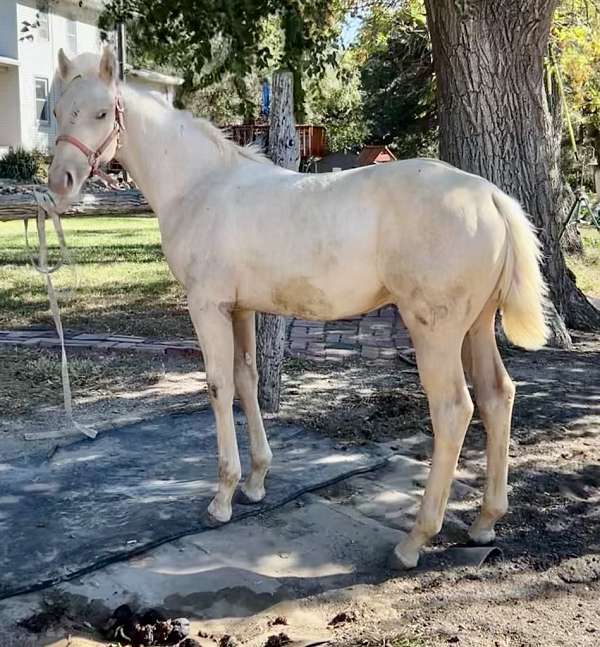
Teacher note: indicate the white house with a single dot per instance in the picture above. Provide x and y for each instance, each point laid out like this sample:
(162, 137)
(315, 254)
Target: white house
(28, 87)
(28, 62)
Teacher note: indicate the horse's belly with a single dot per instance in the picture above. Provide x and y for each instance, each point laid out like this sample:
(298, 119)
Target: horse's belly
(312, 298)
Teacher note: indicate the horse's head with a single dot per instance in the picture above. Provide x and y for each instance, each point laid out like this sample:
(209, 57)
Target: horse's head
(88, 115)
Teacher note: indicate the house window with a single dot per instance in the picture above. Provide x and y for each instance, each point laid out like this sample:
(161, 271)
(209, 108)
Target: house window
(42, 109)
(43, 29)
(72, 35)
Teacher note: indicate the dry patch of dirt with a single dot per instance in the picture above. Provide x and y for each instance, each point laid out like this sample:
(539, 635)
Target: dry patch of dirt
(108, 390)
(355, 402)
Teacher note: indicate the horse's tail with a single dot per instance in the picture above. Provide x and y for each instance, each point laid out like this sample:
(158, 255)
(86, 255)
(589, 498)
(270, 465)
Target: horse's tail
(523, 291)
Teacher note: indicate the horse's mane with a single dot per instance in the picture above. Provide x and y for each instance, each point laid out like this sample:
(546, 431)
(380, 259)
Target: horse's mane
(226, 146)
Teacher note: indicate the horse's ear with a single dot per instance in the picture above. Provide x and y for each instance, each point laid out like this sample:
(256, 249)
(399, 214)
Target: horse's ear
(64, 64)
(108, 66)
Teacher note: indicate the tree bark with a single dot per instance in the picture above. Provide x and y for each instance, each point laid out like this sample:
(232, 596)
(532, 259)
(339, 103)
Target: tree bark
(130, 202)
(284, 150)
(495, 121)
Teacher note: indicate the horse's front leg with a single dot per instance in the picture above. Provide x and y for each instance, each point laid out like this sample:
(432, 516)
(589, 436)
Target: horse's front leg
(215, 334)
(246, 384)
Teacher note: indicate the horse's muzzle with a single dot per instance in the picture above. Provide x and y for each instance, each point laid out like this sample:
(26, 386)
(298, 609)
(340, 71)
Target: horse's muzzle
(61, 180)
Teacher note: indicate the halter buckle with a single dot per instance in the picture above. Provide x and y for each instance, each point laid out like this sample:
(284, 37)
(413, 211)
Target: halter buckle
(93, 160)
(119, 112)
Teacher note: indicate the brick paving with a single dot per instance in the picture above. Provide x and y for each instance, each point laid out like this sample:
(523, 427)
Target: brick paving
(376, 336)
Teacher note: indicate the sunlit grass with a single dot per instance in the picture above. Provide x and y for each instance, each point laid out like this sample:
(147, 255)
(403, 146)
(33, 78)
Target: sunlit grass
(587, 266)
(120, 282)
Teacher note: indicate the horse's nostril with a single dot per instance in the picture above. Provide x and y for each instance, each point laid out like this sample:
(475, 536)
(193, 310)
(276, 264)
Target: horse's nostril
(69, 179)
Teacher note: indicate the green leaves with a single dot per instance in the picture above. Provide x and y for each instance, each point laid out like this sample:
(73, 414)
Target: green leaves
(397, 79)
(210, 39)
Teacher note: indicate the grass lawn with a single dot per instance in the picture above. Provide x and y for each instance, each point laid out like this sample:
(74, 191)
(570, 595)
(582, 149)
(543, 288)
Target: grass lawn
(587, 266)
(122, 284)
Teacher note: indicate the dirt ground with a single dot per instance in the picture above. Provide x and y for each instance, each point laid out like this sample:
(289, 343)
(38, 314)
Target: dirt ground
(546, 589)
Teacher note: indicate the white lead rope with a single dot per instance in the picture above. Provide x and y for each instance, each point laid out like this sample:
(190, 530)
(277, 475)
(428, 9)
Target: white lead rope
(46, 207)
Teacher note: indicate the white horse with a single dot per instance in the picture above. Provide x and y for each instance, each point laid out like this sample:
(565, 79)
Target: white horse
(447, 248)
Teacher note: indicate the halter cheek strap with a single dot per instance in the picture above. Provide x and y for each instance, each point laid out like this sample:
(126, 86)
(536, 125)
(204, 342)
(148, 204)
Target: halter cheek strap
(93, 156)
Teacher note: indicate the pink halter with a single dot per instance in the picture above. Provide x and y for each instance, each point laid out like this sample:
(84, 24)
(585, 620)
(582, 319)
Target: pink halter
(93, 156)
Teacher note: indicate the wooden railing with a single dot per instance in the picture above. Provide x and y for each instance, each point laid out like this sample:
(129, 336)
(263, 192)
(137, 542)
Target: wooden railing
(312, 138)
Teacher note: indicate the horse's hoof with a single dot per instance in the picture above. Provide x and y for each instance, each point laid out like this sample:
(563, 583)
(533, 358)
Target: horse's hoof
(243, 499)
(214, 518)
(249, 497)
(403, 560)
(209, 521)
(482, 536)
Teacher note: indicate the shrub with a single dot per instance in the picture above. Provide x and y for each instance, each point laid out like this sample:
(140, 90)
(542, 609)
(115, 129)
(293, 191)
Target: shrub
(24, 166)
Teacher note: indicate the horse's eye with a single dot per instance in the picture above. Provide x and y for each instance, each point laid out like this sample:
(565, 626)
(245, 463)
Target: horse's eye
(101, 115)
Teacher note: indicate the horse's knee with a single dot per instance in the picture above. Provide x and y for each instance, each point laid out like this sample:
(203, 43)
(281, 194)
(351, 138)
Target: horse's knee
(506, 390)
(220, 390)
(246, 374)
(463, 404)
(245, 371)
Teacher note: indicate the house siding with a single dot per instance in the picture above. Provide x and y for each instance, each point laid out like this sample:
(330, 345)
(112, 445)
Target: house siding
(38, 58)
(10, 128)
(8, 31)
(9, 108)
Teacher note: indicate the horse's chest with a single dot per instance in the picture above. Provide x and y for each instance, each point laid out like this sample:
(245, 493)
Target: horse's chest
(178, 252)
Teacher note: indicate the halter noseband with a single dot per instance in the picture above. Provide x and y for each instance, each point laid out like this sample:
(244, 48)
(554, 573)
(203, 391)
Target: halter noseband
(93, 156)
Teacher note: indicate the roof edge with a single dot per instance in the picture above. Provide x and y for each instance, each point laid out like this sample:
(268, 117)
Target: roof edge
(154, 77)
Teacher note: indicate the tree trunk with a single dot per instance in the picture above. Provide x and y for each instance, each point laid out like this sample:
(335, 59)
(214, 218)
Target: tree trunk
(130, 202)
(495, 121)
(284, 150)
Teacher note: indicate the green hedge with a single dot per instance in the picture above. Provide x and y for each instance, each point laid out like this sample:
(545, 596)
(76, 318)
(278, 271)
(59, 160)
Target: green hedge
(24, 166)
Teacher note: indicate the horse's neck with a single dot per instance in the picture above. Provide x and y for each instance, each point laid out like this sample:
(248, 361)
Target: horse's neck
(162, 149)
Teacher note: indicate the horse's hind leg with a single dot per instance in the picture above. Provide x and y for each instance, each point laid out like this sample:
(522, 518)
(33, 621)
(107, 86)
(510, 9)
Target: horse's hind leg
(439, 361)
(246, 384)
(494, 394)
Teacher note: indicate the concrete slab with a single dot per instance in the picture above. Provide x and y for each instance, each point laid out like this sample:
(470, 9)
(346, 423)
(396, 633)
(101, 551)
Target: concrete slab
(137, 486)
(304, 548)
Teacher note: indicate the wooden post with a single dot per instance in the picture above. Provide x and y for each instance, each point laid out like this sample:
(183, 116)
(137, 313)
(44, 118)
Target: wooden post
(284, 150)
(121, 51)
